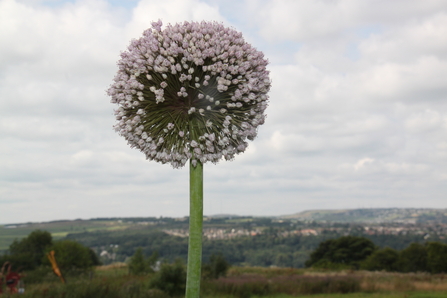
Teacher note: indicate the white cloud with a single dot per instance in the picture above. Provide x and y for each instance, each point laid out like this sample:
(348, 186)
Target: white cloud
(298, 20)
(362, 163)
(409, 41)
(426, 121)
(169, 12)
(357, 116)
(302, 20)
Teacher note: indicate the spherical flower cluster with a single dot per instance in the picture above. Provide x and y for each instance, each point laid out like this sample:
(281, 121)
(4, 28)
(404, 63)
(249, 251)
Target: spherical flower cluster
(190, 91)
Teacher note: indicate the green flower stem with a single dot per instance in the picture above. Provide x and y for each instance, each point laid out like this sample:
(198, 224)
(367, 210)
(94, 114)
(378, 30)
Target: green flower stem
(195, 230)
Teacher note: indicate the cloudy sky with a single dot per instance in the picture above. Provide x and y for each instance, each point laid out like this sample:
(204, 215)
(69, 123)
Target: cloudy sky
(357, 115)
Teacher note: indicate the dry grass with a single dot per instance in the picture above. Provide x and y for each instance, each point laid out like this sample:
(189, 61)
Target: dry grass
(114, 281)
(370, 282)
(290, 283)
(116, 269)
(111, 266)
(402, 282)
(264, 271)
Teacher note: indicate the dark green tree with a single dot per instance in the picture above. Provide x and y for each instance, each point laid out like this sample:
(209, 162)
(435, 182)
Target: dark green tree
(413, 258)
(216, 267)
(29, 252)
(382, 259)
(171, 278)
(437, 257)
(323, 252)
(152, 260)
(283, 259)
(94, 258)
(72, 257)
(138, 264)
(346, 250)
(261, 257)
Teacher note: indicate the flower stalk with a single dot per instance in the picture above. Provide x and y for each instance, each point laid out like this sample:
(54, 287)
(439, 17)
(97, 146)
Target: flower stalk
(195, 230)
(191, 91)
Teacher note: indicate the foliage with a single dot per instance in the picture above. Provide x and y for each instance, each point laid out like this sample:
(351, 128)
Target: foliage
(28, 253)
(94, 258)
(216, 267)
(72, 257)
(382, 259)
(413, 258)
(139, 265)
(437, 257)
(344, 252)
(41, 274)
(348, 250)
(266, 249)
(397, 242)
(171, 278)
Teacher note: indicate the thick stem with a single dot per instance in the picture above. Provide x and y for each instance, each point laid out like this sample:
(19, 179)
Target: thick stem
(195, 230)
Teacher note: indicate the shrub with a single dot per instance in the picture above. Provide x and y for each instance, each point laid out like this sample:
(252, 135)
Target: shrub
(216, 267)
(382, 259)
(28, 253)
(72, 257)
(437, 257)
(171, 278)
(39, 275)
(413, 258)
(349, 250)
(138, 265)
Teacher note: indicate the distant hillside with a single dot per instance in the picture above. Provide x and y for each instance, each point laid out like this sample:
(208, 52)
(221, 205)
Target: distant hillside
(58, 229)
(379, 215)
(62, 228)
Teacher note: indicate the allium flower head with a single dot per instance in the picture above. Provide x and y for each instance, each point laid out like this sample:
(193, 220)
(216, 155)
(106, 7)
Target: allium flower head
(190, 91)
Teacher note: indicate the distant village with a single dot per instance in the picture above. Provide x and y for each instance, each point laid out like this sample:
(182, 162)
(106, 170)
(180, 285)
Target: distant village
(426, 230)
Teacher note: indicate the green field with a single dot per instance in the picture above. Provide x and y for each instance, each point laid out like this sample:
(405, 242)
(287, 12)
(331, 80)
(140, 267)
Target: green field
(114, 281)
(58, 229)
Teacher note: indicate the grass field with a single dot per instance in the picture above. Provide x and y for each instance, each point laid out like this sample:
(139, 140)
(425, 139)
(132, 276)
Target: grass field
(114, 281)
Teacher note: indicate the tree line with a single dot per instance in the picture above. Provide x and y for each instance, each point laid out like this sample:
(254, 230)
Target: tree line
(361, 253)
(30, 254)
(266, 249)
(79, 252)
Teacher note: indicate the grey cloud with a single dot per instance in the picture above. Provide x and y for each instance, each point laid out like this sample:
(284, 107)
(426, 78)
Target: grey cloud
(357, 116)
